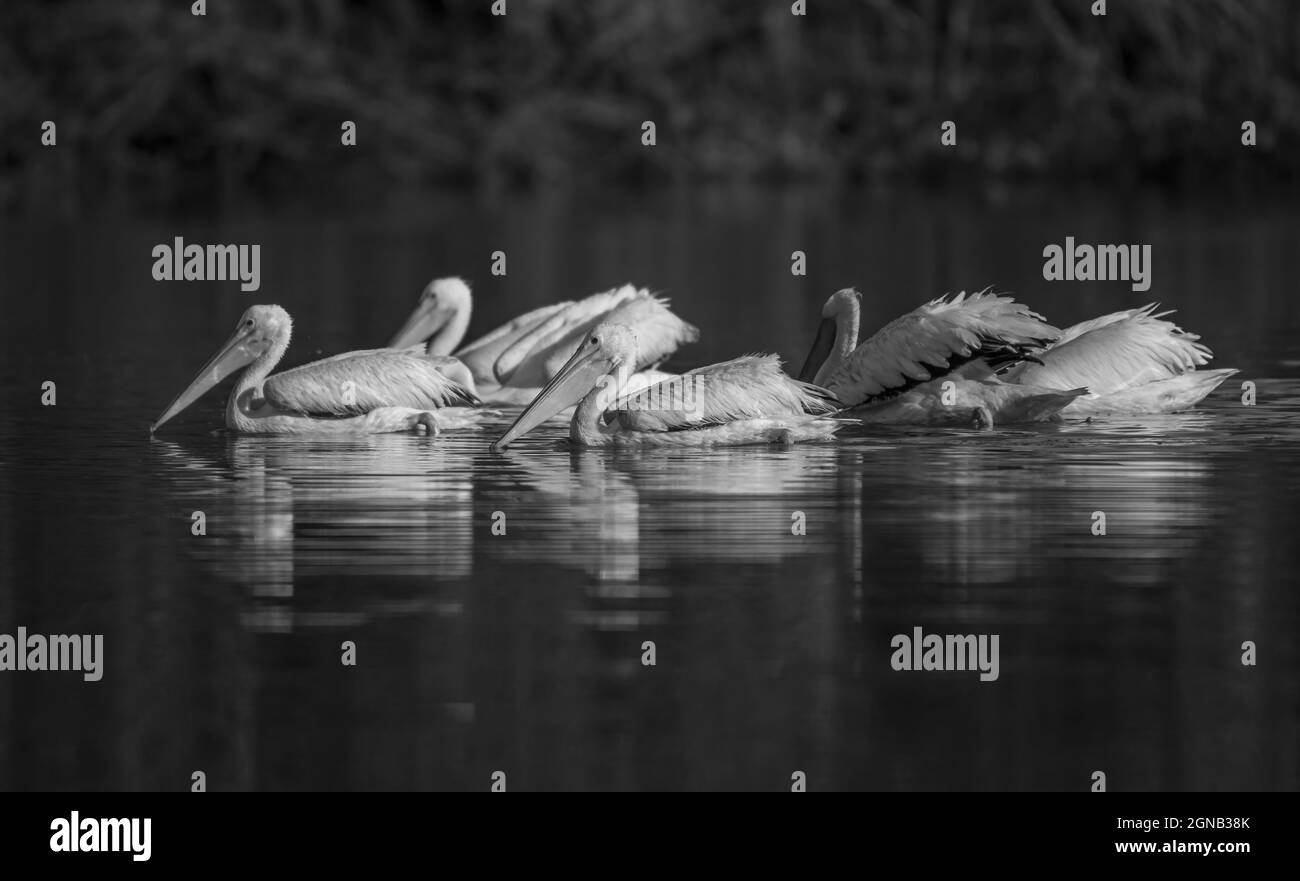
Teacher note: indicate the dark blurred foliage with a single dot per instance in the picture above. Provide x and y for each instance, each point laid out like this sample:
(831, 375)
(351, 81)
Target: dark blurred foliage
(149, 97)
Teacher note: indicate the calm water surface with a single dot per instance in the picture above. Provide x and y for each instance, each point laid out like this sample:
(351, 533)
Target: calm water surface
(522, 652)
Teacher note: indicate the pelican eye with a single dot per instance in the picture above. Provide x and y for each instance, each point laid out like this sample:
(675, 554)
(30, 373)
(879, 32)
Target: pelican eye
(595, 342)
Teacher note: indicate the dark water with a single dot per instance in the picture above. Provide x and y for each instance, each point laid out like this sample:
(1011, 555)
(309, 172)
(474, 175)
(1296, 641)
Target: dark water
(522, 653)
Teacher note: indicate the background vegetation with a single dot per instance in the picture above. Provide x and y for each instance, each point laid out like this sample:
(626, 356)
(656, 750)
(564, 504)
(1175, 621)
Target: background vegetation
(145, 94)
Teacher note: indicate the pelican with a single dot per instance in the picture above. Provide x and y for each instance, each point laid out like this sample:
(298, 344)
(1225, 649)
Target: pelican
(899, 374)
(747, 400)
(367, 392)
(511, 363)
(1133, 362)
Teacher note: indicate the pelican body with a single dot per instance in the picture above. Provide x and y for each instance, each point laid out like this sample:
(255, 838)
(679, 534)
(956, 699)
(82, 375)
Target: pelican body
(512, 362)
(1133, 363)
(1006, 365)
(938, 364)
(369, 392)
(747, 400)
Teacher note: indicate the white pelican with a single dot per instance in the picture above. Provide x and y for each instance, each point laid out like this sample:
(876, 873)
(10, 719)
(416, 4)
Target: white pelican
(748, 400)
(1133, 362)
(511, 363)
(898, 375)
(369, 392)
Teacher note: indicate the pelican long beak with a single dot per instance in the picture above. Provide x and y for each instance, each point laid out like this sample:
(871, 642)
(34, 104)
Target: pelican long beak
(820, 351)
(421, 324)
(238, 352)
(579, 375)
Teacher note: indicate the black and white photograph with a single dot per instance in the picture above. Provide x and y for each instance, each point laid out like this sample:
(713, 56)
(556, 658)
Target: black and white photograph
(874, 396)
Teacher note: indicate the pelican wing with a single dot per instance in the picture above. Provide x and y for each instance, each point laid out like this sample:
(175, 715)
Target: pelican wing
(1116, 352)
(354, 383)
(659, 333)
(750, 387)
(528, 353)
(480, 355)
(1078, 330)
(936, 339)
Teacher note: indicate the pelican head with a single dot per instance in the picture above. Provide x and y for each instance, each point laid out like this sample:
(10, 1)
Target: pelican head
(442, 300)
(839, 307)
(260, 330)
(608, 348)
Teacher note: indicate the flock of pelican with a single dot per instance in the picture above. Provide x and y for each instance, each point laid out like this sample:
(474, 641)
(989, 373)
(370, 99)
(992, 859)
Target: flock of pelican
(980, 359)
